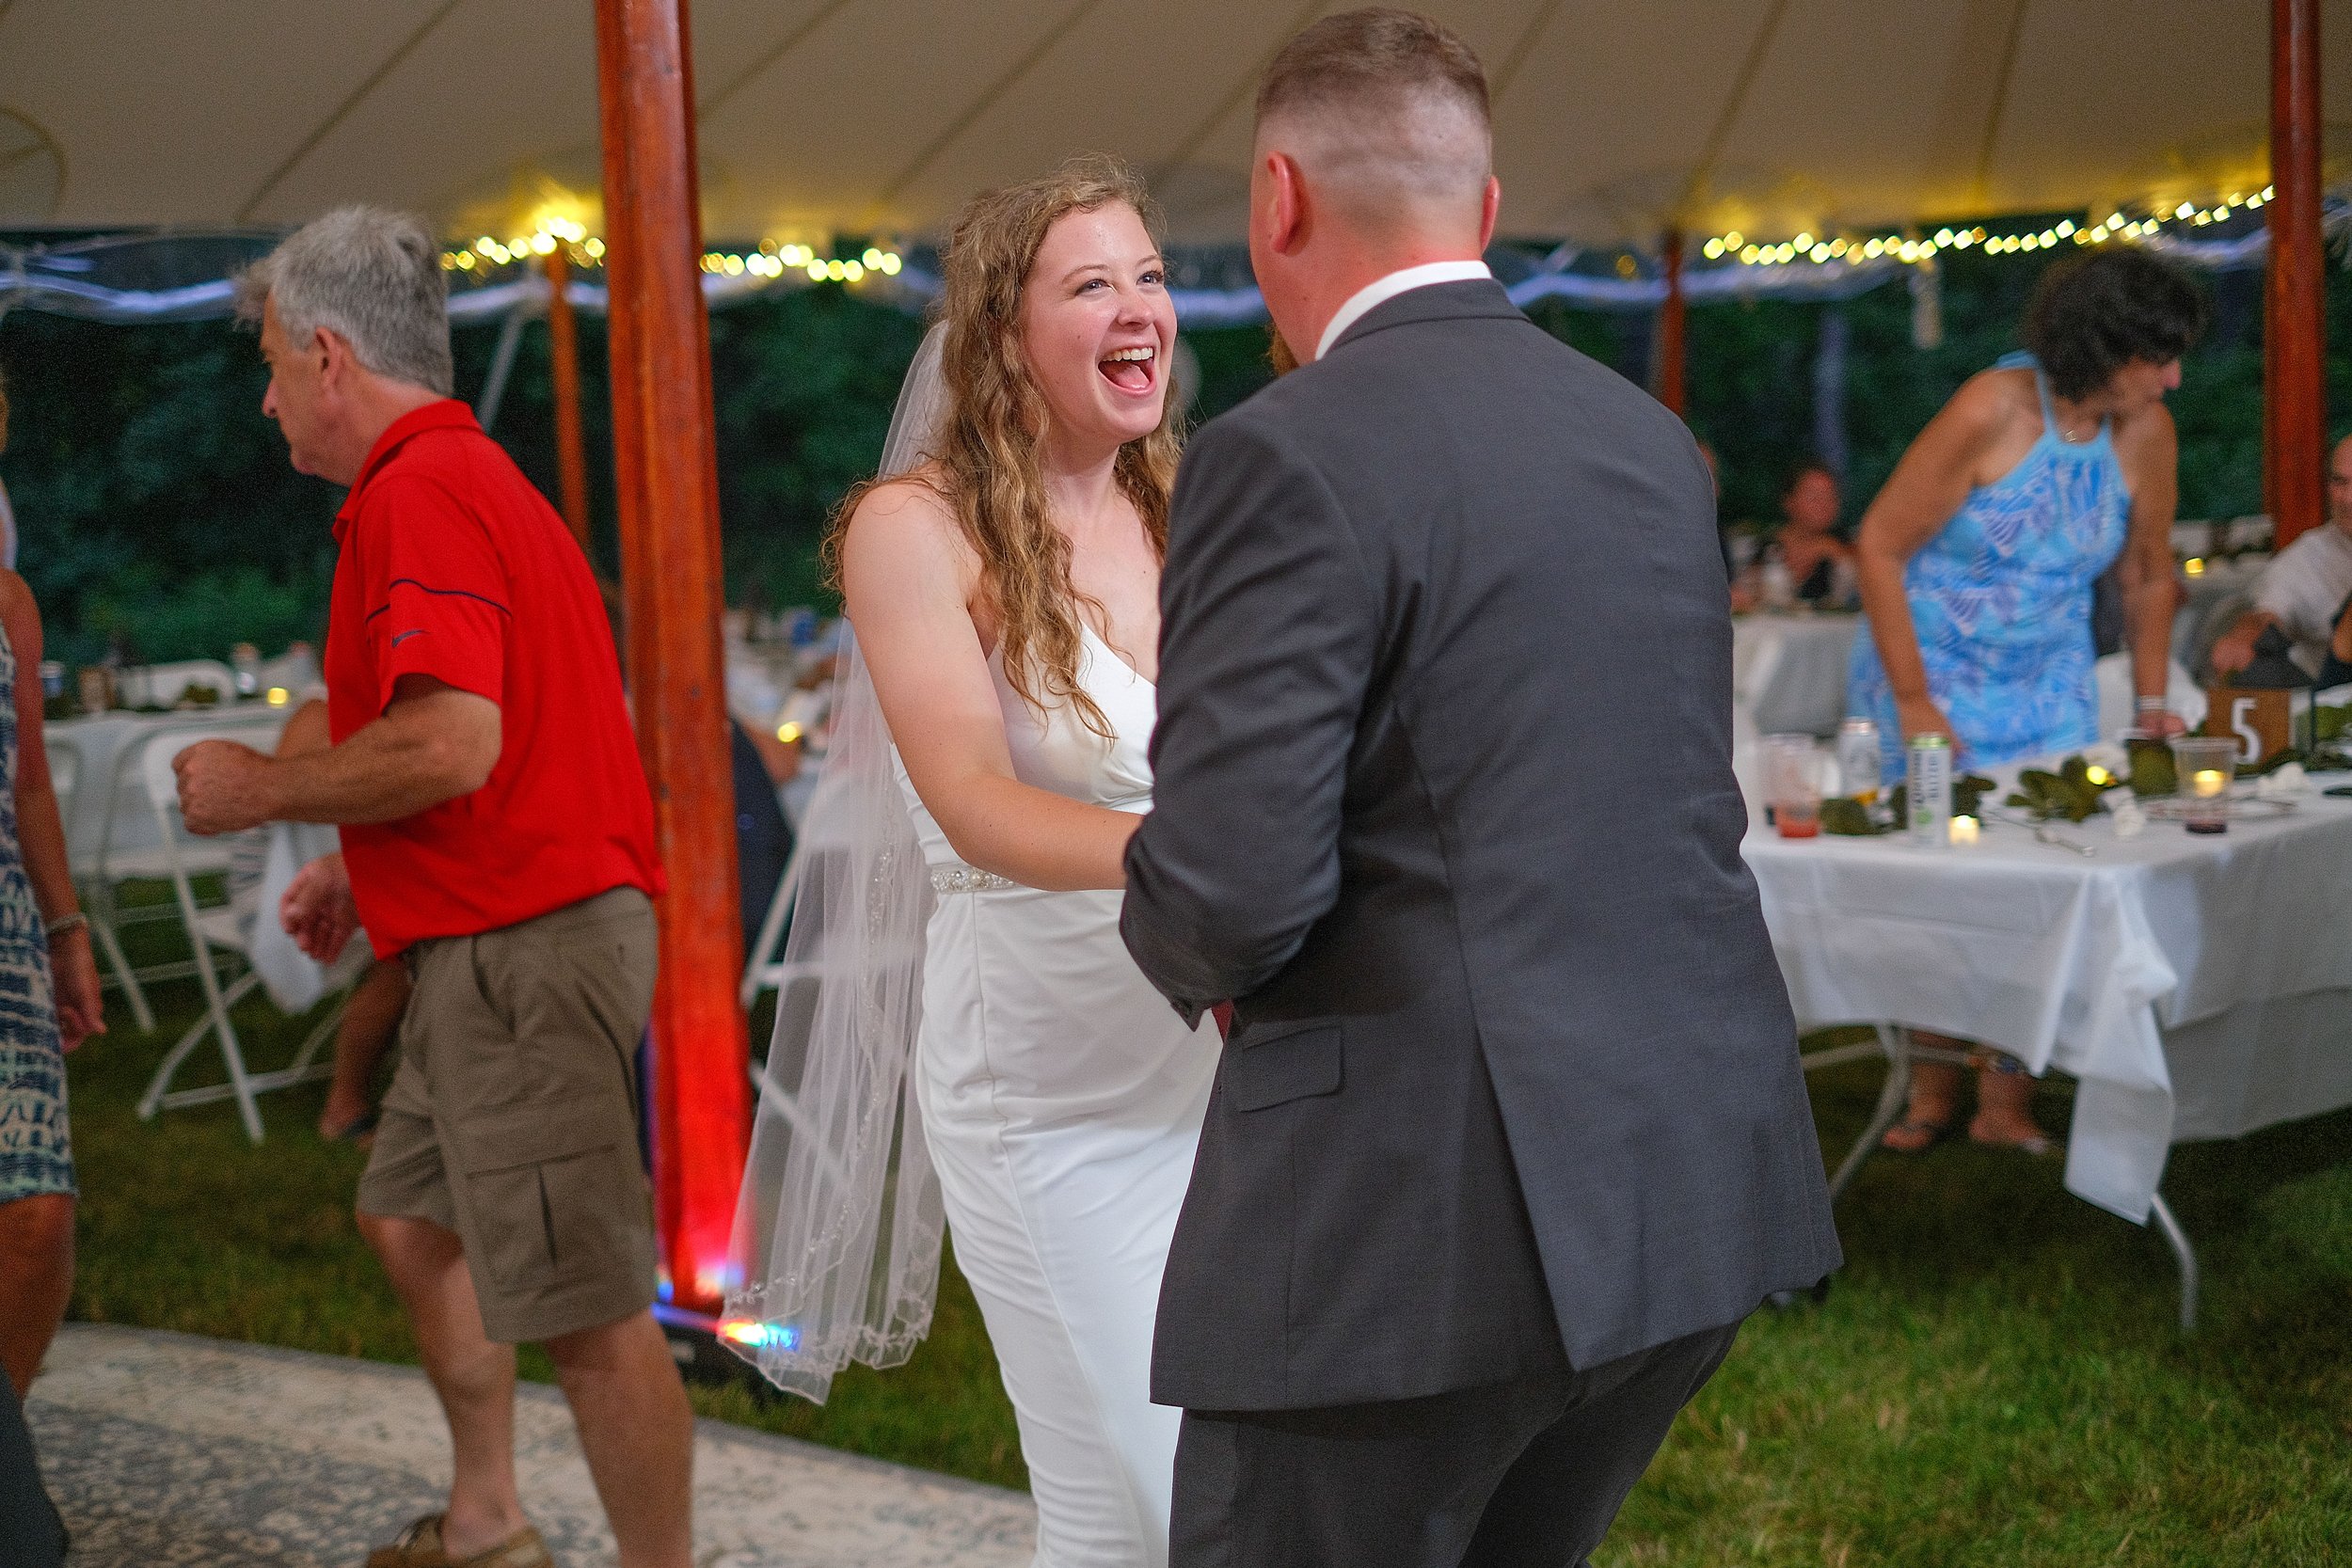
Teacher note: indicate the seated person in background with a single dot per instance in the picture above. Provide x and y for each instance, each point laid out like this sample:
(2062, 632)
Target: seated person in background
(2304, 588)
(1818, 565)
(2335, 665)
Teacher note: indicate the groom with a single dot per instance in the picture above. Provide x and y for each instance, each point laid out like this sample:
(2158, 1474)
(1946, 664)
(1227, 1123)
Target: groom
(1510, 1133)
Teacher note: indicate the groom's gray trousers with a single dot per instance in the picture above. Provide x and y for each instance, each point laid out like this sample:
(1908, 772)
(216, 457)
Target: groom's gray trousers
(1524, 1474)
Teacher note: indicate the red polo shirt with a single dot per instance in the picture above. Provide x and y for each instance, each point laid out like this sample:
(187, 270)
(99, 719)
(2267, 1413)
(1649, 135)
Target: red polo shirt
(454, 566)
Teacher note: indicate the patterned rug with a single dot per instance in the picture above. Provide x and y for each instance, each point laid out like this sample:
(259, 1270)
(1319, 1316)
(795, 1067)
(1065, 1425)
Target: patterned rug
(168, 1450)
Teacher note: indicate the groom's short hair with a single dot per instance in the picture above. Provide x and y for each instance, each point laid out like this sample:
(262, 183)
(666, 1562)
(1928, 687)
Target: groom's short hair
(1390, 103)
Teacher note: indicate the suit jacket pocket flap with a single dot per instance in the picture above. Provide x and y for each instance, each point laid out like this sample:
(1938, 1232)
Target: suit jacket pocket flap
(1287, 1066)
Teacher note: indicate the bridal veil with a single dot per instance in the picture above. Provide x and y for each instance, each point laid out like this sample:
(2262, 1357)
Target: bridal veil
(836, 1249)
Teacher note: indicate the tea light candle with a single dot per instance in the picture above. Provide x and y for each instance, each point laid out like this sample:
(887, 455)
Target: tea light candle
(2209, 782)
(1963, 829)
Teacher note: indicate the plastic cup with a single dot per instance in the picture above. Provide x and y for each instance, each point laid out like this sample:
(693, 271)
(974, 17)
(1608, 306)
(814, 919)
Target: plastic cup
(1792, 782)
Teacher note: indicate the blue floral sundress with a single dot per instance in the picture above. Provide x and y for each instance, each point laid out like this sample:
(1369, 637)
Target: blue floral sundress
(2001, 601)
(36, 1155)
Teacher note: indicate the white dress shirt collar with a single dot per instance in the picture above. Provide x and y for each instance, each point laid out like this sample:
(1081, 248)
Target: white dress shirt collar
(1380, 290)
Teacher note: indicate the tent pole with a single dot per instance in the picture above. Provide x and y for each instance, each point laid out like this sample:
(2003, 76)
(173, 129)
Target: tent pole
(2295, 387)
(1829, 389)
(571, 457)
(502, 366)
(665, 463)
(1667, 375)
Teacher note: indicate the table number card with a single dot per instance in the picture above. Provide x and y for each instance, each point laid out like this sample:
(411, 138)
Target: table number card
(2261, 721)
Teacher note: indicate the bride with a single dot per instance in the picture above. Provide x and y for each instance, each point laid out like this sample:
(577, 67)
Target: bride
(978, 1036)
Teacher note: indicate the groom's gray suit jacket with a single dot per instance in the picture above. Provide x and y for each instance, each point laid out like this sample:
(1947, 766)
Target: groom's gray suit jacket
(1444, 804)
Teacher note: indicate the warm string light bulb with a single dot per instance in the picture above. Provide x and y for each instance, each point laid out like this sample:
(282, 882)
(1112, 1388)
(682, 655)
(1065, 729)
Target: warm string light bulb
(771, 260)
(775, 261)
(1915, 249)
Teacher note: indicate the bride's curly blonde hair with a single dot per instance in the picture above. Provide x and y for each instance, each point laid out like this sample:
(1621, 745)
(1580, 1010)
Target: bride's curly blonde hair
(987, 468)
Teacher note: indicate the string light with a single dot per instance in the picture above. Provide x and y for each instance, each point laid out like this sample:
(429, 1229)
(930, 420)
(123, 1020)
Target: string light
(775, 261)
(770, 260)
(1914, 249)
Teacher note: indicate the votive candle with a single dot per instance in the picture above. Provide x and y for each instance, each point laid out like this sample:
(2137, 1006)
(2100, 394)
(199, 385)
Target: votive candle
(1963, 829)
(2204, 766)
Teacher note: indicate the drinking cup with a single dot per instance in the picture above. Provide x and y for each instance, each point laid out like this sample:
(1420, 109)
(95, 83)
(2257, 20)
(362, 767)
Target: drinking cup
(1792, 782)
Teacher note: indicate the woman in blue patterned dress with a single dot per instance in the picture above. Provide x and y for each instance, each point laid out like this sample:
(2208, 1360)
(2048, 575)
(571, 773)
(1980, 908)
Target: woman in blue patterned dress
(41, 936)
(1978, 558)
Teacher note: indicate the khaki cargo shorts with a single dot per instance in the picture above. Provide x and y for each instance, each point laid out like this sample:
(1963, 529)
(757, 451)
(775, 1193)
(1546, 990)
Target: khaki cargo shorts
(512, 1119)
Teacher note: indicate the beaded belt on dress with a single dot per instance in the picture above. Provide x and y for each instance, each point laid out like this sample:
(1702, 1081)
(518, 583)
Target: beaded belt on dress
(967, 878)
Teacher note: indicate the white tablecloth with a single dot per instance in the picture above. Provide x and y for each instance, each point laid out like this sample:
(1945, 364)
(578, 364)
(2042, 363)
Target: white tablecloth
(1788, 671)
(99, 738)
(2196, 987)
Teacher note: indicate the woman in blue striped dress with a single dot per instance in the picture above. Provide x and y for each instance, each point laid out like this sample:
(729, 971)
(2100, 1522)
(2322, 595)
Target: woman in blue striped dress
(1978, 558)
(48, 1002)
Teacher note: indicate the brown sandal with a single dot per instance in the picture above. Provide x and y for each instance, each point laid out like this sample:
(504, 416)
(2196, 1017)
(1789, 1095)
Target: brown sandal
(420, 1546)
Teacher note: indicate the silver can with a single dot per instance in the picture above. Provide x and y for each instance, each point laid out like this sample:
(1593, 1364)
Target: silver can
(1858, 760)
(1929, 790)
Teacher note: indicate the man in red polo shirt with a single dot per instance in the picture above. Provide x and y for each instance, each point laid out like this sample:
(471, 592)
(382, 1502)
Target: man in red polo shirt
(497, 837)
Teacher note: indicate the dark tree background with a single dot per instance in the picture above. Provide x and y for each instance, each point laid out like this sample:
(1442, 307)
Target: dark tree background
(158, 515)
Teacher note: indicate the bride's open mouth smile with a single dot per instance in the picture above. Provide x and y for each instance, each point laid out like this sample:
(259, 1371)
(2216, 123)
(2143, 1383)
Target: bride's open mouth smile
(1131, 370)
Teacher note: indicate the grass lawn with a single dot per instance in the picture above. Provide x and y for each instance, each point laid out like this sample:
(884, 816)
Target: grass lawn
(1995, 1379)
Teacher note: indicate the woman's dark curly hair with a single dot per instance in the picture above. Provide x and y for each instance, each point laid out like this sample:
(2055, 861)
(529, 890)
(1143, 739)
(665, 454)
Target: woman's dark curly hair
(2094, 314)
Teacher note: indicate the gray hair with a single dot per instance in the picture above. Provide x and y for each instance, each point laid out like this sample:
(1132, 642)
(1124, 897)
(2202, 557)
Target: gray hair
(372, 278)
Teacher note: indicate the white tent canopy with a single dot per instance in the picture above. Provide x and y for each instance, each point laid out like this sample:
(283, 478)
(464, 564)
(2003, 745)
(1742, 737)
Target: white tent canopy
(865, 116)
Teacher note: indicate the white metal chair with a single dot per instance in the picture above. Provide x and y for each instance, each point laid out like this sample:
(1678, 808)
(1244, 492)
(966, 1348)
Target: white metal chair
(761, 970)
(115, 863)
(211, 929)
(64, 782)
(65, 775)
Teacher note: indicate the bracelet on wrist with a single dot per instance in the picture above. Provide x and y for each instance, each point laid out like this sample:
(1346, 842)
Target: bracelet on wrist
(2152, 705)
(64, 923)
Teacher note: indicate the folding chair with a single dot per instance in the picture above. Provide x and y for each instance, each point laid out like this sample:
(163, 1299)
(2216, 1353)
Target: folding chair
(65, 775)
(761, 971)
(214, 930)
(115, 863)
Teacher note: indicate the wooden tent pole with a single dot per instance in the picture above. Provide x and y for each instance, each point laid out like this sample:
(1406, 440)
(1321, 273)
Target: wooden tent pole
(2294, 386)
(571, 456)
(666, 470)
(1667, 377)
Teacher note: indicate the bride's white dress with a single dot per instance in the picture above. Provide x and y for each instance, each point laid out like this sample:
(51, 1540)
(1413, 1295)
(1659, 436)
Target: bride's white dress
(1062, 1099)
